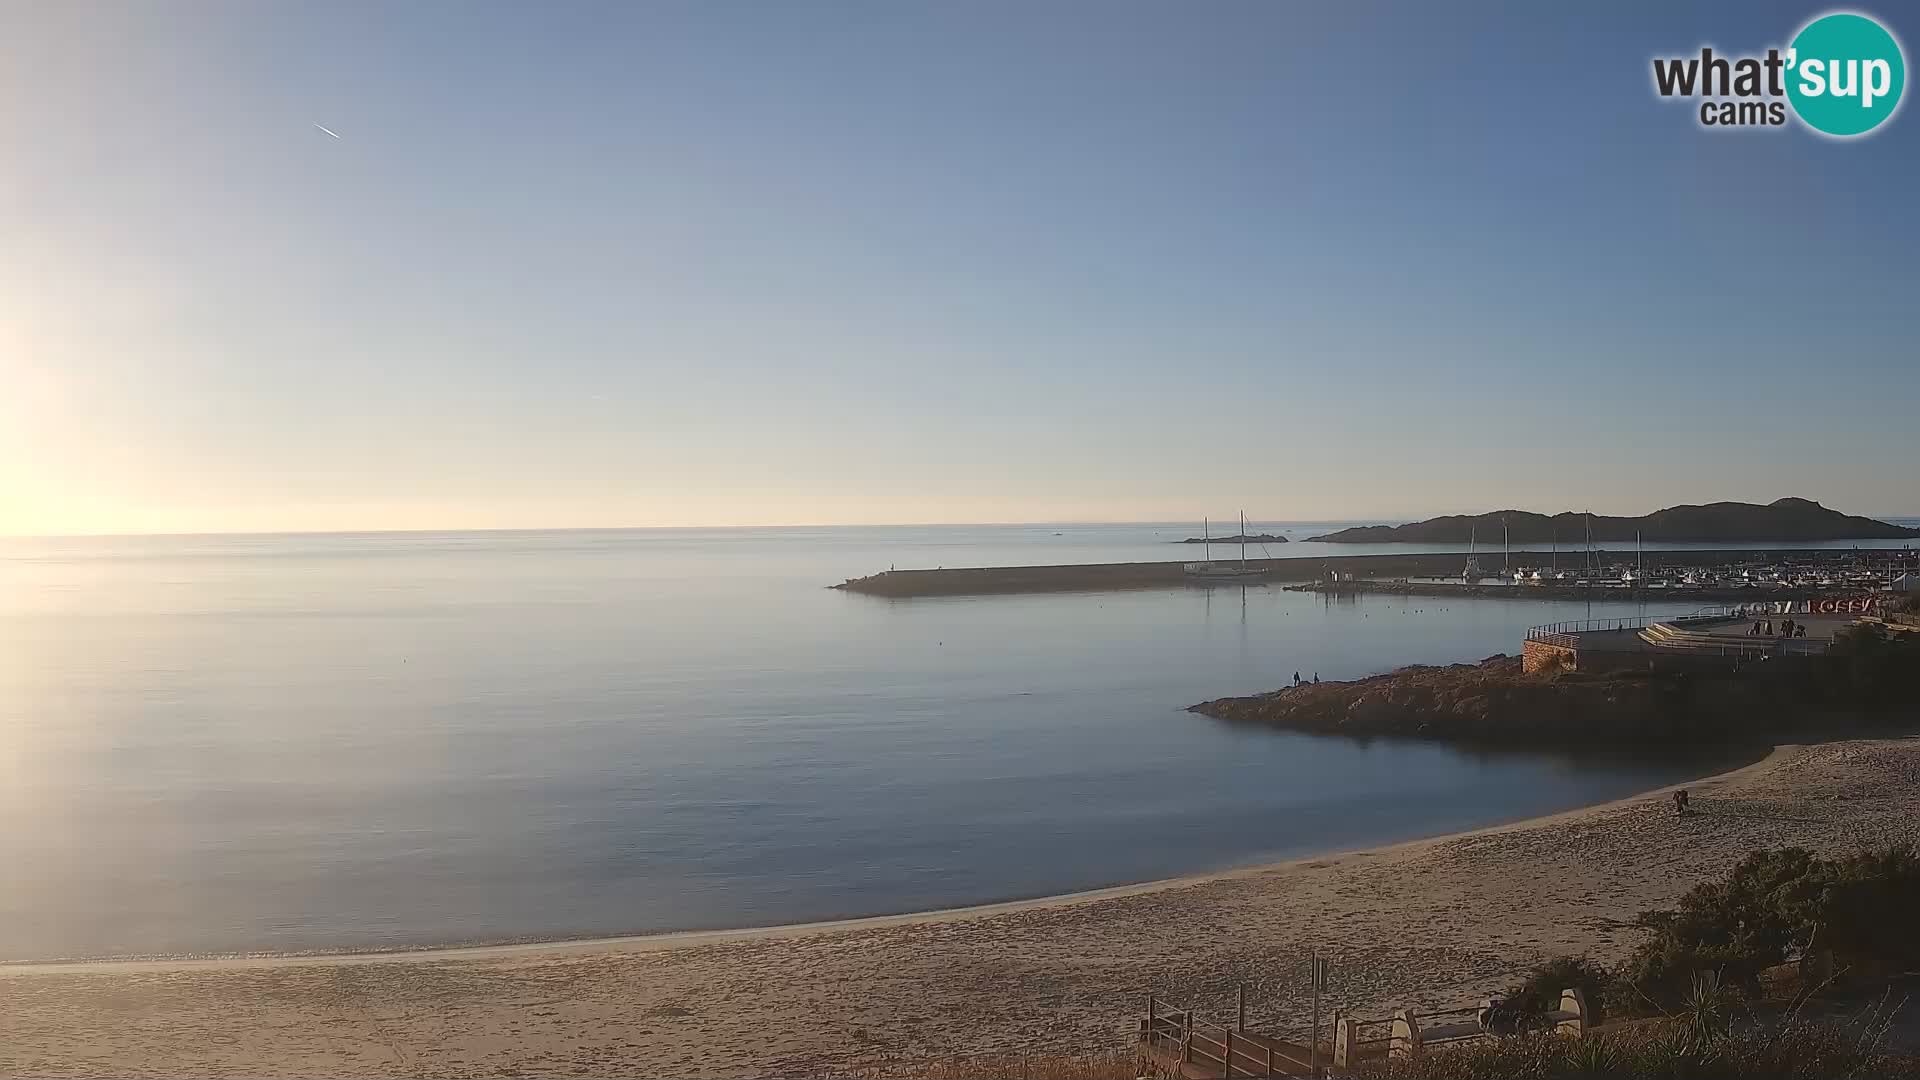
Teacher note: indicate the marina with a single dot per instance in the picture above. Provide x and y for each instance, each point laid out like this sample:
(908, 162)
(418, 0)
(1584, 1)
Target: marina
(1774, 576)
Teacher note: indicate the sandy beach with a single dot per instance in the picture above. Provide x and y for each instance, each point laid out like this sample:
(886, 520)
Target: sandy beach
(1433, 922)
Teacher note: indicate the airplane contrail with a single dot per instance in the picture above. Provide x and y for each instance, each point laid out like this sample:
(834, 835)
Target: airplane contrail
(326, 129)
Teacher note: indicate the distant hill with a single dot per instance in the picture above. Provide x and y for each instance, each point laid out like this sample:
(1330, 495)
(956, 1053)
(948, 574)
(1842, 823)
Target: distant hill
(1797, 520)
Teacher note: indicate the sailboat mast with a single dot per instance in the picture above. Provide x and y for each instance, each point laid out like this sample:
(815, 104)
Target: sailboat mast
(1243, 539)
(1206, 538)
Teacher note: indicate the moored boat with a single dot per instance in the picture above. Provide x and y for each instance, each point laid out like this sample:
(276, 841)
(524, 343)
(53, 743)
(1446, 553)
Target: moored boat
(1212, 571)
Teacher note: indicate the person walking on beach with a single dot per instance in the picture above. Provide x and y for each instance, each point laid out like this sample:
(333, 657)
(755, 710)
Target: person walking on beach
(1680, 802)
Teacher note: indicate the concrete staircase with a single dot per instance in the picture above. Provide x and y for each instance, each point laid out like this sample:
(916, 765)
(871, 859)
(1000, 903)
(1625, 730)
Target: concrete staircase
(1718, 637)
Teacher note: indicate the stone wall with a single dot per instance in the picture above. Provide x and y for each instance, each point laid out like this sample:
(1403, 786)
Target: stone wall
(1536, 656)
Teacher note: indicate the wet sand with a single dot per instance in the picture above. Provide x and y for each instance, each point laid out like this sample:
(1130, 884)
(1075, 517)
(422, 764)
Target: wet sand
(1431, 922)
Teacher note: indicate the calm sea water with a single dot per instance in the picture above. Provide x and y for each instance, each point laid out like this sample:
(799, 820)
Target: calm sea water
(325, 742)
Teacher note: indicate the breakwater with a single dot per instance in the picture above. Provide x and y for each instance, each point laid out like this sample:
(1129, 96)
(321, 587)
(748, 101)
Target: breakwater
(1099, 577)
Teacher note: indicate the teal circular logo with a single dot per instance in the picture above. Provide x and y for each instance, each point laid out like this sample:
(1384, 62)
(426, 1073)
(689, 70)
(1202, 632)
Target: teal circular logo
(1845, 74)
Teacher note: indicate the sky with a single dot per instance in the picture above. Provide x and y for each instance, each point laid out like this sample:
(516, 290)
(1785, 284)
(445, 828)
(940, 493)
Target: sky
(639, 264)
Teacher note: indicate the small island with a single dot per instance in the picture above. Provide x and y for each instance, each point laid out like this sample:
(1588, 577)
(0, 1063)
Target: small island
(1793, 520)
(1261, 538)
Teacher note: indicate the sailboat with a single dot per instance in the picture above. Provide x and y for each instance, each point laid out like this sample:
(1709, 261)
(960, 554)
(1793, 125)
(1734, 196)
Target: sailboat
(1211, 571)
(1473, 573)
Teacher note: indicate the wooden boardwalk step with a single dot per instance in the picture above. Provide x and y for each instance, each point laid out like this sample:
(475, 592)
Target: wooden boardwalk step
(1181, 1046)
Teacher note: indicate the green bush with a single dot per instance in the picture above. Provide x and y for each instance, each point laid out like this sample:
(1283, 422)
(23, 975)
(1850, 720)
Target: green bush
(1669, 1049)
(1736, 927)
(1868, 908)
(1774, 904)
(1540, 991)
(1870, 666)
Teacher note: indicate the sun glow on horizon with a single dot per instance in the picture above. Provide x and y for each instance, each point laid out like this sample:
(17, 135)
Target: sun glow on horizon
(659, 297)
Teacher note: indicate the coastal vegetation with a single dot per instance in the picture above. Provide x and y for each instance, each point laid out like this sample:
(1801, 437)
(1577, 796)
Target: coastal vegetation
(1701, 975)
(1703, 1045)
(1674, 1048)
(1789, 520)
(1773, 906)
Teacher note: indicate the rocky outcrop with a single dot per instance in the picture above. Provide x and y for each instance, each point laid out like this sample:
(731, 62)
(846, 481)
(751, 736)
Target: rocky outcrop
(1494, 701)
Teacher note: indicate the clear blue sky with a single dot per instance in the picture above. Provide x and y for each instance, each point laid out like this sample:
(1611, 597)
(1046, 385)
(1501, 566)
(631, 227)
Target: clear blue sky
(711, 263)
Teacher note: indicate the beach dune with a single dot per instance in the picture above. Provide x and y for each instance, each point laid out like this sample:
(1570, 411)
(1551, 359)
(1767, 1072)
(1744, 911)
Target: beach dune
(1432, 922)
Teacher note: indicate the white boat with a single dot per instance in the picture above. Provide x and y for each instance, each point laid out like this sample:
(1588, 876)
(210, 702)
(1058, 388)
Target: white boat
(1212, 571)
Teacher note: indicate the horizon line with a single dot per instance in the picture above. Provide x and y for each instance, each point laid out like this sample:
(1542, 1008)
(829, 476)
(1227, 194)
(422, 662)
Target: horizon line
(667, 528)
(444, 530)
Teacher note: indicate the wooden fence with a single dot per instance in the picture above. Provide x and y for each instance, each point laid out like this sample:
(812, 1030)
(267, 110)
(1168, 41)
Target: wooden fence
(1183, 1044)
(1409, 1032)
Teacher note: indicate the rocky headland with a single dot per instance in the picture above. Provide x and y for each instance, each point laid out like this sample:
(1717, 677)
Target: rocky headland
(1495, 702)
(1788, 520)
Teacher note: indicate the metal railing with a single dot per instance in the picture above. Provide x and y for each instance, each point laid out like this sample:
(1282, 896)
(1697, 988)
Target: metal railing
(1561, 633)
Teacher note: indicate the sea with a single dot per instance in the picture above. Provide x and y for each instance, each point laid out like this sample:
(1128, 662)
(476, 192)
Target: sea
(292, 743)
